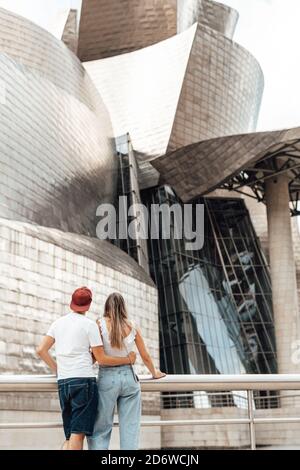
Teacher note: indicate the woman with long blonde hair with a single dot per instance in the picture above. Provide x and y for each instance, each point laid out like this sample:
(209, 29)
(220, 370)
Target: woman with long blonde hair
(120, 385)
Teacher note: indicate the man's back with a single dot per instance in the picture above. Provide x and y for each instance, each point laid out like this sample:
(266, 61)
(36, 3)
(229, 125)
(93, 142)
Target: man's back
(74, 335)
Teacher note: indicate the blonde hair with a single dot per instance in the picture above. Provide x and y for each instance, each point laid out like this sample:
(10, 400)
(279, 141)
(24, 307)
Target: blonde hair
(115, 310)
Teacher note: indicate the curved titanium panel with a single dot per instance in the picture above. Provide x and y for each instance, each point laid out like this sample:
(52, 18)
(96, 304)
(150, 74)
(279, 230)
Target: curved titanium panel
(200, 168)
(215, 15)
(40, 52)
(187, 88)
(112, 28)
(109, 28)
(57, 156)
(141, 91)
(221, 92)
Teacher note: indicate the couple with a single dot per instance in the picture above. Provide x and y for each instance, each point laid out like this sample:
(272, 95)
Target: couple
(88, 405)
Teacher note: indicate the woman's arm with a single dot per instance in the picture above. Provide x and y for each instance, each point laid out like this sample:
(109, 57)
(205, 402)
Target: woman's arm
(140, 344)
(43, 351)
(104, 360)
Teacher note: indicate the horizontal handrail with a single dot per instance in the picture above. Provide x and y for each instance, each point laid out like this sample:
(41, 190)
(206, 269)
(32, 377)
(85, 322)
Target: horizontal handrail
(166, 423)
(170, 383)
(175, 383)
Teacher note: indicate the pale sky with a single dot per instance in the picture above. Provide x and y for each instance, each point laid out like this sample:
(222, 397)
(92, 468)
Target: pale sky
(267, 28)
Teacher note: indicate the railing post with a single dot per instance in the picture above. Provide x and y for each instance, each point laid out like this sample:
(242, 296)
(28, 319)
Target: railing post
(251, 419)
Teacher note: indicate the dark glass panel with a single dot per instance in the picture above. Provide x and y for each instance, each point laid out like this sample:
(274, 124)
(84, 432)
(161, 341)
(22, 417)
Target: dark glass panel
(215, 303)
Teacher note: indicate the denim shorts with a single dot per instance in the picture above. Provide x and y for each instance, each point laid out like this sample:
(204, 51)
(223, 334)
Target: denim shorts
(79, 402)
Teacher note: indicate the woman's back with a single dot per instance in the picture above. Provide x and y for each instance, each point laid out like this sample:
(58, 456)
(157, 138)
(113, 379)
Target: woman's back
(128, 342)
(119, 385)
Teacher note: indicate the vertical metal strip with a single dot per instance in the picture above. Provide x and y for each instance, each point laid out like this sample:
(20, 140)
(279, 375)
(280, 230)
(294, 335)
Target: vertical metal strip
(251, 419)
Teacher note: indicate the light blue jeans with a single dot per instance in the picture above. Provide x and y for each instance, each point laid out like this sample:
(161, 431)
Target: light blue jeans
(116, 386)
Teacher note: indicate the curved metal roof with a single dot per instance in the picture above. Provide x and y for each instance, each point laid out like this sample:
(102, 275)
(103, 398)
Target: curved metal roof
(233, 162)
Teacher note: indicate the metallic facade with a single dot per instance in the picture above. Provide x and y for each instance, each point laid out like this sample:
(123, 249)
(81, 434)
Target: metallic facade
(200, 168)
(221, 92)
(119, 26)
(57, 154)
(215, 15)
(70, 31)
(168, 74)
(112, 28)
(194, 86)
(141, 91)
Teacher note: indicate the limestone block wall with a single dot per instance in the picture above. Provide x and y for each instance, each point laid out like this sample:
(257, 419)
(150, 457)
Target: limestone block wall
(204, 436)
(52, 439)
(229, 435)
(279, 434)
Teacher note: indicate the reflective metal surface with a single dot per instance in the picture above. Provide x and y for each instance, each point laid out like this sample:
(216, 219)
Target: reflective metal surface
(215, 15)
(221, 92)
(37, 51)
(109, 28)
(58, 163)
(199, 168)
(112, 28)
(70, 32)
(56, 151)
(141, 91)
(194, 86)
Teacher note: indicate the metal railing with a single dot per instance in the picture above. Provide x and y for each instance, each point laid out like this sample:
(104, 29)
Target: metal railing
(176, 383)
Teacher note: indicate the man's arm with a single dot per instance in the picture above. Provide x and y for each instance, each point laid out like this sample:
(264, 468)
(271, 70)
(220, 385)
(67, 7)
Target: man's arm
(43, 351)
(104, 360)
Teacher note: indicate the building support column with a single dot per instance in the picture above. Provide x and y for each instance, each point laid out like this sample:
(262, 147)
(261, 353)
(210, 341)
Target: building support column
(283, 273)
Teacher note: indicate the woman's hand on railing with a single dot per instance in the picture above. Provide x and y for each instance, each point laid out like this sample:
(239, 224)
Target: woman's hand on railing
(158, 374)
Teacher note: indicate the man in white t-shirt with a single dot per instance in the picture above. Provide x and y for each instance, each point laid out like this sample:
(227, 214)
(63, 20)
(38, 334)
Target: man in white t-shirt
(75, 338)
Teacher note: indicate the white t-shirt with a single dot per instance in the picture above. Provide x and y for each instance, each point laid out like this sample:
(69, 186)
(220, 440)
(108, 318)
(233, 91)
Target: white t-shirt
(74, 335)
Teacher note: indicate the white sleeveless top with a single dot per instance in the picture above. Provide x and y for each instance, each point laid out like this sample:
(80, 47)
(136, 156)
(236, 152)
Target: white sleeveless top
(129, 342)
